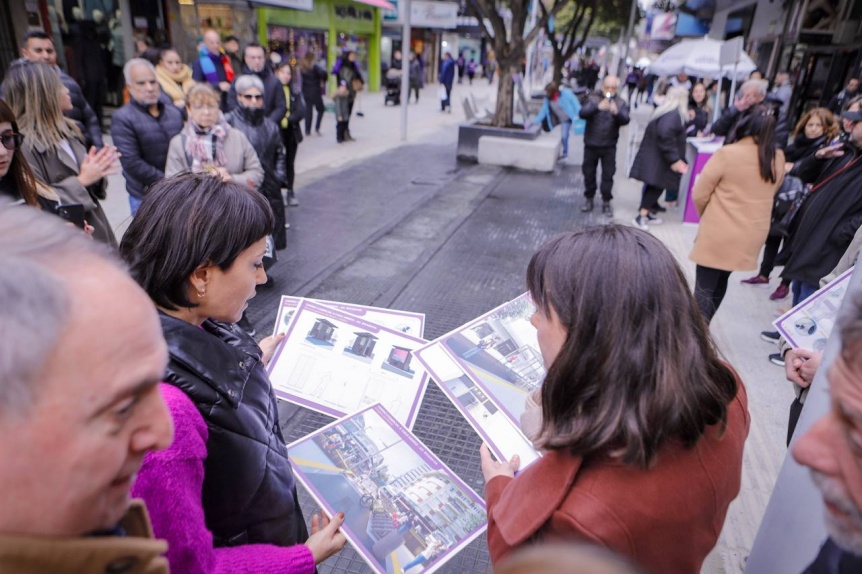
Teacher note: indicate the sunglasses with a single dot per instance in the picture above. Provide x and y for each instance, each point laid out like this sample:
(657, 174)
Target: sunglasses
(11, 140)
(254, 97)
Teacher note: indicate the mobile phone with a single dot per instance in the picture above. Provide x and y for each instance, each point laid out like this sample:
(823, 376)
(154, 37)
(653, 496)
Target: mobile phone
(72, 212)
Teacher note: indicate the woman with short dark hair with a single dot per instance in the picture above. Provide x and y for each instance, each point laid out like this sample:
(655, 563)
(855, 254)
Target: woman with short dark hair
(223, 495)
(642, 423)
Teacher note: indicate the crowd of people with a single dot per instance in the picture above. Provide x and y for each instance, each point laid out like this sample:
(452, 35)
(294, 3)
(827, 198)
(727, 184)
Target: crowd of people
(126, 371)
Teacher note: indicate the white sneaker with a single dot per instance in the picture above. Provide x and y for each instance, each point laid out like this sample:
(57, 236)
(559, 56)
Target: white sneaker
(642, 222)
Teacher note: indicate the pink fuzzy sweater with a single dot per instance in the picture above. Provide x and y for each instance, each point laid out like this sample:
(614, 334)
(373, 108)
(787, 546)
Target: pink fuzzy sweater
(171, 483)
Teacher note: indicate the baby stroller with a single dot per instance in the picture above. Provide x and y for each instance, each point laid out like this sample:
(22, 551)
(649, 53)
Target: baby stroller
(392, 83)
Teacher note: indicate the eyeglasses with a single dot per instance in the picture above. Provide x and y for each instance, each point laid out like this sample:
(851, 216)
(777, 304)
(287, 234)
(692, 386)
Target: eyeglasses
(255, 97)
(11, 140)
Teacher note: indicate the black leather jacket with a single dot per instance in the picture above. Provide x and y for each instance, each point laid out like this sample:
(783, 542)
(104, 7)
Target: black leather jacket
(603, 128)
(249, 492)
(266, 141)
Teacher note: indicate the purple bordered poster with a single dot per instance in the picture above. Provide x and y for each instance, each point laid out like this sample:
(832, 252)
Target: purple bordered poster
(405, 511)
(404, 321)
(487, 368)
(337, 363)
(808, 325)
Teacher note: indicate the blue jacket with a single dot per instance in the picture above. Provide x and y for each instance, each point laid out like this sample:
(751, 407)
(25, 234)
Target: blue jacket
(447, 72)
(143, 142)
(570, 105)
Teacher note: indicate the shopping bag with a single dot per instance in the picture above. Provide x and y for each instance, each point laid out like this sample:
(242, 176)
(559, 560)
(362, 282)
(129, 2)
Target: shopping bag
(441, 93)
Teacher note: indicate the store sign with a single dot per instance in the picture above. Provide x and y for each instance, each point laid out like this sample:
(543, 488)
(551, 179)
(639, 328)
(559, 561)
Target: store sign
(307, 5)
(424, 14)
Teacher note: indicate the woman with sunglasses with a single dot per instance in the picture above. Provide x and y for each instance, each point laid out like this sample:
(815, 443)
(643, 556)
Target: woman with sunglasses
(17, 182)
(249, 117)
(209, 143)
(54, 146)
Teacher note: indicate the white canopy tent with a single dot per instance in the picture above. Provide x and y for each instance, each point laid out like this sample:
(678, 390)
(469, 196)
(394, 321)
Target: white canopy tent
(699, 58)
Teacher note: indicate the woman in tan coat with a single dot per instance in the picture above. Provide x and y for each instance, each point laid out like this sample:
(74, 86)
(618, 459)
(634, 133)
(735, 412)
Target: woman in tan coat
(734, 195)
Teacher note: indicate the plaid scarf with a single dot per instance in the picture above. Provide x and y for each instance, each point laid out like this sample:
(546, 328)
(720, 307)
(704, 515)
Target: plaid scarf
(205, 148)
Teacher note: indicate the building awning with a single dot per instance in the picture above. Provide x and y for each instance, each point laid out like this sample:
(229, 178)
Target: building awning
(378, 4)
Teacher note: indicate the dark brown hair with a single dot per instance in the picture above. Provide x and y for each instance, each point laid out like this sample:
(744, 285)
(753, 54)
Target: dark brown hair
(187, 221)
(759, 122)
(551, 89)
(638, 368)
(19, 170)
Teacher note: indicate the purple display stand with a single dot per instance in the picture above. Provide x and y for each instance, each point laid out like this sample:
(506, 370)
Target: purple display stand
(698, 152)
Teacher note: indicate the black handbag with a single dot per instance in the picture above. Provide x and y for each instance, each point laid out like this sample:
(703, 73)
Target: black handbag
(788, 201)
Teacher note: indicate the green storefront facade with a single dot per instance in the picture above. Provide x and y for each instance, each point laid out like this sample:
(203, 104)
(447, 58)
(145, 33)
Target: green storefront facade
(328, 28)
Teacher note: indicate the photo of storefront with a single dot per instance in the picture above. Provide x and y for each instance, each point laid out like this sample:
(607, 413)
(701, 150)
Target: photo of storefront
(326, 27)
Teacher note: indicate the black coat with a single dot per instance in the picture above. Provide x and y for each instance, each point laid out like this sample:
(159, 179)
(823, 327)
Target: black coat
(829, 218)
(249, 491)
(603, 128)
(274, 104)
(803, 147)
(312, 83)
(143, 142)
(263, 136)
(662, 145)
(81, 112)
(725, 125)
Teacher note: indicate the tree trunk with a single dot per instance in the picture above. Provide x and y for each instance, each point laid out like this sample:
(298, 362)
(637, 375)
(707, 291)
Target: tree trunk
(559, 61)
(505, 90)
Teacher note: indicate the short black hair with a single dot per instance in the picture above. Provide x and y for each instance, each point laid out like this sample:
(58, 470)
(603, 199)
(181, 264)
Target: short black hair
(187, 221)
(252, 45)
(231, 38)
(38, 34)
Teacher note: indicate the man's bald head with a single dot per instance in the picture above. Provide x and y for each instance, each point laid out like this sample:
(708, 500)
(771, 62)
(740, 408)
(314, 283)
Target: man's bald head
(212, 41)
(611, 84)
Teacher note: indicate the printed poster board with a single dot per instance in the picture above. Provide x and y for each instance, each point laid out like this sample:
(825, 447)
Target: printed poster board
(404, 321)
(337, 363)
(809, 324)
(405, 511)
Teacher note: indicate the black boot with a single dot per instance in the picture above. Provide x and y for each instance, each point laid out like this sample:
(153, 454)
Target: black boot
(607, 210)
(588, 204)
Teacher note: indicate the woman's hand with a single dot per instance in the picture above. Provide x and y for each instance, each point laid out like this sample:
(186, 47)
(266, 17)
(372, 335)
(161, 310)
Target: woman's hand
(98, 164)
(679, 166)
(492, 468)
(830, 151)
(268, 345)
(89, 230)
(325, 539)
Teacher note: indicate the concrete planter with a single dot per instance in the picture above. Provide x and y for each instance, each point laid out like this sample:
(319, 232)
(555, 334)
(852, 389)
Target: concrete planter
(469, 134)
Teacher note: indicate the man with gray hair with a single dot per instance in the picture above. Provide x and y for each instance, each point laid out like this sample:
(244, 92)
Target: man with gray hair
(831, 450)
(751, 93)
(142, 130)
(274, 102)
(81, 355)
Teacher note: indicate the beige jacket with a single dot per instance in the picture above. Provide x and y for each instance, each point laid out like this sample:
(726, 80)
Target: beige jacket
(242, 162)
(735, 207)
(136, 553)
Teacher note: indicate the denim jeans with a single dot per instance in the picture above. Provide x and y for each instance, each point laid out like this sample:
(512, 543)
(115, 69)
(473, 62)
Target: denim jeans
(134, 204)
(802, 291)
(565, 131)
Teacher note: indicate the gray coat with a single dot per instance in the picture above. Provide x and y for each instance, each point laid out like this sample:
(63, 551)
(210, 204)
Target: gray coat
(57, 169)
(242, 161)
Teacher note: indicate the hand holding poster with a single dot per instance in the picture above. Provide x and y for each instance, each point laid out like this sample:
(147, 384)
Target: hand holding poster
(405, 511)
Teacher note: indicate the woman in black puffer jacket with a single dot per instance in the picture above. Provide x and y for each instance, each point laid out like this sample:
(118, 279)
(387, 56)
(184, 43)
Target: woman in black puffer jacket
(263, 135)
(816, 129)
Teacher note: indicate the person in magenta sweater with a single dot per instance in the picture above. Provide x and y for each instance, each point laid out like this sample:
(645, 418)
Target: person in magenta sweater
(223, 495)
(170, 482)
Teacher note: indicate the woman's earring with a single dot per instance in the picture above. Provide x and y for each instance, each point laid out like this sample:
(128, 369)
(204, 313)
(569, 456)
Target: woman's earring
(201, 294)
